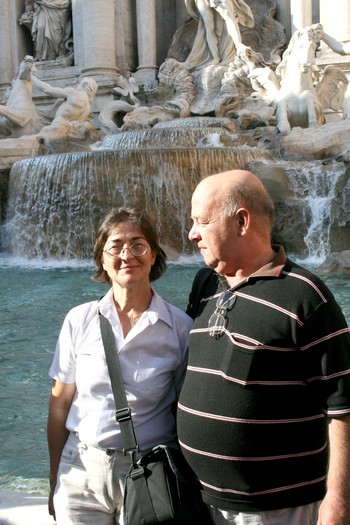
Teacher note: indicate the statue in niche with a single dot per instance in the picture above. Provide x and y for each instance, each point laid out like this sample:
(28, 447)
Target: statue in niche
(50, 23)
(18, 115)
(218, 36)
(72, 118)
(294, 88)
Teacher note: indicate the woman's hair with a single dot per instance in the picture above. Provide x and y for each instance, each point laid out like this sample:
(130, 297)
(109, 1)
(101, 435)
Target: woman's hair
(142, 221)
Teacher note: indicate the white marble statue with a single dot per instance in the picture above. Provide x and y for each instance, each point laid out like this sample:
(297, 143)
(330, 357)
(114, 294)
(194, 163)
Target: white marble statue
(78, 100)
(50, 23)
(72, 118)
(115, 109)
(174, 81)
(300, 98)
(218, 36)
(18, 115)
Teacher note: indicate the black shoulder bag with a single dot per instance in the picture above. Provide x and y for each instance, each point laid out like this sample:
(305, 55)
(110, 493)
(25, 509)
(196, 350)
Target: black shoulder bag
(160, 486)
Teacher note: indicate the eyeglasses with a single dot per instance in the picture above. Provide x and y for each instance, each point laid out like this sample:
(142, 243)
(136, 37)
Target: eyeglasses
(136, 249)
(218, 320)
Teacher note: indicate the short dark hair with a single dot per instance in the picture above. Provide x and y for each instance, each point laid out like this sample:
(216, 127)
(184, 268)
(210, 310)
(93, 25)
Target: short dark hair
(138, 217)
(257, 199)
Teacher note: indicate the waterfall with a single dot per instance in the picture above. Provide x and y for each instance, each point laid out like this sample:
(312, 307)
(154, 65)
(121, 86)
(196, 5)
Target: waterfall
(56, 201)
(167, 135)
(319, 189)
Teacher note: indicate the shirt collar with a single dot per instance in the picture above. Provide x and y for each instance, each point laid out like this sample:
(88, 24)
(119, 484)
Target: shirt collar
(106, 304)
(156, 310)
(274, 267)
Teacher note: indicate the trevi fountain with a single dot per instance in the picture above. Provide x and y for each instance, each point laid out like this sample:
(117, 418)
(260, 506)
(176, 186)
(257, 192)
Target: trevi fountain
(121, 102)
(137, 101)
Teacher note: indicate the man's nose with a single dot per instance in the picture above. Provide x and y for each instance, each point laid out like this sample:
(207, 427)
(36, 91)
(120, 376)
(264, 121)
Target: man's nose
(193, 234)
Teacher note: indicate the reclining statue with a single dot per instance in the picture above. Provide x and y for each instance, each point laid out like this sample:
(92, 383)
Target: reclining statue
(72, 118)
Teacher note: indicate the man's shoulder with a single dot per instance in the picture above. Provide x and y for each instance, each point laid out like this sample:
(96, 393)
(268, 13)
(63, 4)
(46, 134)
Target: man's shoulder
(304, 278)
(203, 277)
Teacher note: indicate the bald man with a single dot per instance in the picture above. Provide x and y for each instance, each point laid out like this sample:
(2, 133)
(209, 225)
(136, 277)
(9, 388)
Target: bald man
(264, 413)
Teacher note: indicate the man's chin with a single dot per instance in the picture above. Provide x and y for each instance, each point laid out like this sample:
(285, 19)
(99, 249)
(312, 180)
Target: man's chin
(215, 265)
(218, 266)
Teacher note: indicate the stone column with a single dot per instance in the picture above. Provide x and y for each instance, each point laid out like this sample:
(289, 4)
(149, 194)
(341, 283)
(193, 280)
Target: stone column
(146, 41)
(335, 18)
(300, 14)
(6, 73)
(283, 16)
(13, 42)
(94, 37)
(125, 59)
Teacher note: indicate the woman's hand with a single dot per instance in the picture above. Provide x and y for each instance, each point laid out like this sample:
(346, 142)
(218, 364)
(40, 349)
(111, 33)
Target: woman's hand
(50, 503)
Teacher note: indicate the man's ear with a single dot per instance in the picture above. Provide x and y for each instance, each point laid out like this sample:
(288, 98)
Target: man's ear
(243, 218)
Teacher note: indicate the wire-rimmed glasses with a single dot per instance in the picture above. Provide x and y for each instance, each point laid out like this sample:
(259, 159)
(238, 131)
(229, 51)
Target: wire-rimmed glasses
(218, 320)
(136, 249)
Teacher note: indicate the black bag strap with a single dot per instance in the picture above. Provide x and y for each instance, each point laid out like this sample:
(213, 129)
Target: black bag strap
(123, 416)
(123, 412)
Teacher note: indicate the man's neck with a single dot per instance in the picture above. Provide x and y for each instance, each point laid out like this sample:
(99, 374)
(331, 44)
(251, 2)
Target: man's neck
(257, 263)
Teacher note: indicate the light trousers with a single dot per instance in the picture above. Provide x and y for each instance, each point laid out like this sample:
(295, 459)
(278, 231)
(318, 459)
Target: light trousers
(304, 515)
(90, 485)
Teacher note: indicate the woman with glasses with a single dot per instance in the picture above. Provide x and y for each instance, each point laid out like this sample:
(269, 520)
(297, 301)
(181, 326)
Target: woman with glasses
(87, 464)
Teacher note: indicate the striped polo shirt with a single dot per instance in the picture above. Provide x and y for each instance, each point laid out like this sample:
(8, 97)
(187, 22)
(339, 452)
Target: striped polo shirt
(252, 415)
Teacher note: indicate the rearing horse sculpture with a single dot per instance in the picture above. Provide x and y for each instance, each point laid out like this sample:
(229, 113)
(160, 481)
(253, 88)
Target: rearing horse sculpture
(19, 116)
(299, 98)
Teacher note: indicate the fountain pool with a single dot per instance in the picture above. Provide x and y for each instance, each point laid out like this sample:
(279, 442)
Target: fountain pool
(35, 297)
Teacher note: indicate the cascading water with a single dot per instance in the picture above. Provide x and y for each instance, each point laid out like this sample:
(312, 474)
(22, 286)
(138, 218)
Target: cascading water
(318, 187)
(56, 201)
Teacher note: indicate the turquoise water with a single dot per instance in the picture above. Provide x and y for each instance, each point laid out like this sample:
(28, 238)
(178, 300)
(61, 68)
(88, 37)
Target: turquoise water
(34, 300)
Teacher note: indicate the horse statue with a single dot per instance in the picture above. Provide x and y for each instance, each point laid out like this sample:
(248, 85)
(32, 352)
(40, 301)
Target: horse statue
(19, 116)
(298, 95)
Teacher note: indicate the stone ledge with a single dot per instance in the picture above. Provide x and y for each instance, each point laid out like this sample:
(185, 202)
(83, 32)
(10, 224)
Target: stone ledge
(17, 508)
(17, 149)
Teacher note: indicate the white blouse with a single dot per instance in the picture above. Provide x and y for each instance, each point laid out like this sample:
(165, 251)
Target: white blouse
(153, 359)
